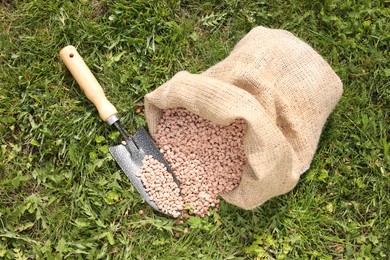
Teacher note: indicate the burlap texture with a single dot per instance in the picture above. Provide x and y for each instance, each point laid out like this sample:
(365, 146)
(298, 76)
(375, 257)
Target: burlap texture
(281, 87)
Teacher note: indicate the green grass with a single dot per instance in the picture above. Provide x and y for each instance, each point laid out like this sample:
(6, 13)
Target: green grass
(62, 195)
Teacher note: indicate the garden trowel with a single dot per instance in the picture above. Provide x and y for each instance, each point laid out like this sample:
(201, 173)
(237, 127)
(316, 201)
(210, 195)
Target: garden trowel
(130, 153)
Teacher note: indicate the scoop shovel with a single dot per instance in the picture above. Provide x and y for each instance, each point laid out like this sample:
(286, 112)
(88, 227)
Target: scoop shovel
(130, 153)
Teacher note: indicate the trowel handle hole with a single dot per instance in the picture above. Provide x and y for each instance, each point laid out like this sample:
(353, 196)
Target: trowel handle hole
(71, 55)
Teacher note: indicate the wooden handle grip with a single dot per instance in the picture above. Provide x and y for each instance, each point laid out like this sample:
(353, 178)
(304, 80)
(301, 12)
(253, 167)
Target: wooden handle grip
(88, 83)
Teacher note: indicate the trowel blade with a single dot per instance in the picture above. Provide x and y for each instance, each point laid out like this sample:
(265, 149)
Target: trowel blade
(130, 159)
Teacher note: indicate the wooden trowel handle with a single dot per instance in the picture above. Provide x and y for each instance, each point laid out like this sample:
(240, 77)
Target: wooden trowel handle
(88, 83)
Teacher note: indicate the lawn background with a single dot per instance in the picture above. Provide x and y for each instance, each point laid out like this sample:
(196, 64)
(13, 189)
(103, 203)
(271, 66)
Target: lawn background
(63, 196)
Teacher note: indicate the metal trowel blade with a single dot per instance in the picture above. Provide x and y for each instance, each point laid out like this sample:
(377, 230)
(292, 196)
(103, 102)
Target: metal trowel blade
(130, 159)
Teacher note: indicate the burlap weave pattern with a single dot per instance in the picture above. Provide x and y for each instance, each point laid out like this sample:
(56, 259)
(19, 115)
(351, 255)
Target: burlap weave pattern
(281, 87)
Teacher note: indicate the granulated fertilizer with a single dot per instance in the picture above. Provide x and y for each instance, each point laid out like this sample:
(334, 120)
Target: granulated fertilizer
(206, 158)
(160, 186)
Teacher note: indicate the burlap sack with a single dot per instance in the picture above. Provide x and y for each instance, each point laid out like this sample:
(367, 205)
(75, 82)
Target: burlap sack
(282, 88)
